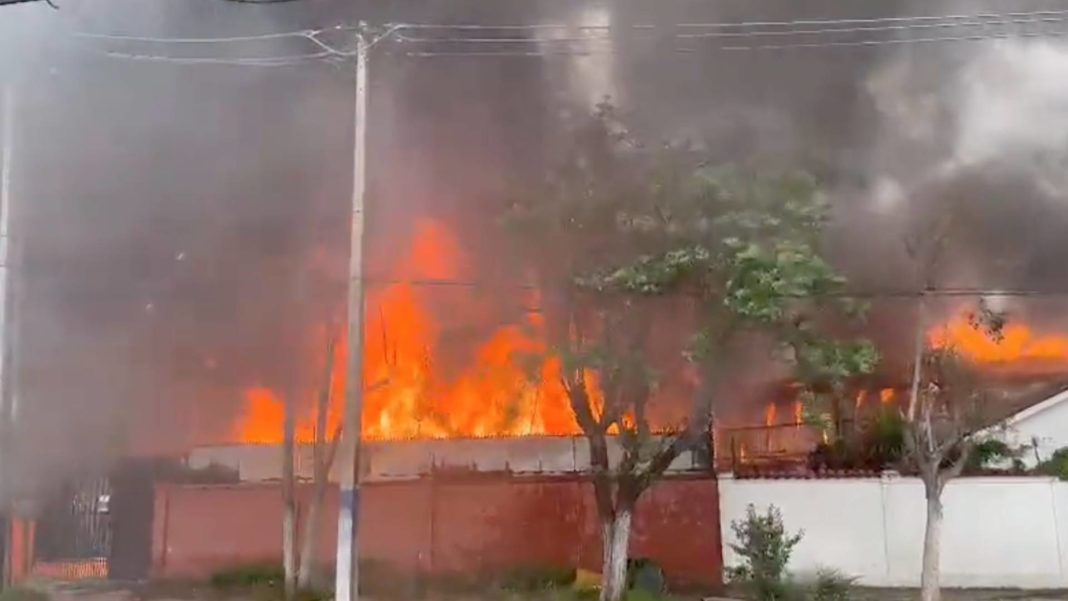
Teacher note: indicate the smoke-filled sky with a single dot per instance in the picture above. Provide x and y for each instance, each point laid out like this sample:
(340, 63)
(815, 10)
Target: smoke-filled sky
(185, 226)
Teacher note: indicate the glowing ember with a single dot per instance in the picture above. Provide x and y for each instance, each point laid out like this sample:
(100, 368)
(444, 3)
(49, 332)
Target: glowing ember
(1017, 344)
(886, 396)
(411, 395)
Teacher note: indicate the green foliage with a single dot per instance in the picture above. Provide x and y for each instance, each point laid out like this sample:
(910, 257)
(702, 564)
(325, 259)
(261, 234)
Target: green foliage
(823, 360)
(878, 445)
(765, 281)
(1056, 465)
(993, 454)
(537, 578)
(883, 440)
(764, 548)
(651, 274)
(641, 594)
(23, 593)
(831, 585)
(268, 575)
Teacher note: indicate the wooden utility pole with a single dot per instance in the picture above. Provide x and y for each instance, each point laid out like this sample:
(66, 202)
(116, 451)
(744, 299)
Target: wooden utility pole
(348, 556)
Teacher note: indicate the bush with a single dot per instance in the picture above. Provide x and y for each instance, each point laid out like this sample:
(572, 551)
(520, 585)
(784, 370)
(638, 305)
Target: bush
(883, 441)
(765, 549)
(257, 575)
(537, 578)
(831, 585)
(1056, 465)
(992, 454)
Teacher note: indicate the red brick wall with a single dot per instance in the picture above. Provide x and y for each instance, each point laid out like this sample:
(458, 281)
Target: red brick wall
(441, 525)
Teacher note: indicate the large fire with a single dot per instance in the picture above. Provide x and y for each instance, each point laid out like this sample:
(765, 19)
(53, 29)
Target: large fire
(409, 393)
(1017, 347)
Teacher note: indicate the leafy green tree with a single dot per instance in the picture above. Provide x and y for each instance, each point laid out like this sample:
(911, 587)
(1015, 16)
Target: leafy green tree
(633, 244)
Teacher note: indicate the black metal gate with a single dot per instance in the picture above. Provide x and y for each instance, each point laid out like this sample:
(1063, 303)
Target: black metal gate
(76, 524)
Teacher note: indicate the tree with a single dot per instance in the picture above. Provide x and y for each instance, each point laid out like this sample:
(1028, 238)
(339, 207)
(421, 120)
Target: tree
(299, 568)
(945, 409)
(946, 399)
(324, 449)
(732, 250)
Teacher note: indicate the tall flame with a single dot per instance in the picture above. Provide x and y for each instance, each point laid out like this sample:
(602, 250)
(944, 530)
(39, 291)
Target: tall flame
(409, 394)
(1018, 344)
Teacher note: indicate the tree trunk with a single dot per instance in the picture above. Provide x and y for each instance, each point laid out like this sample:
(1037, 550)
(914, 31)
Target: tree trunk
(306, 575)
(615, 537)
(930, 589)
(289, 508)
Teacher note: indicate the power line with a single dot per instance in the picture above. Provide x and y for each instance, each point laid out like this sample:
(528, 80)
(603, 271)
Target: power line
(784, 23)
(690, 31)
(273, 61)
(695, 51)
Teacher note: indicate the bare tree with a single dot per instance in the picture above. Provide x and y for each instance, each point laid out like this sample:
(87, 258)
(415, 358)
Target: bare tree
(946, 399)
(945, 410)
(324, 449)
(301, 568)
(289, 503)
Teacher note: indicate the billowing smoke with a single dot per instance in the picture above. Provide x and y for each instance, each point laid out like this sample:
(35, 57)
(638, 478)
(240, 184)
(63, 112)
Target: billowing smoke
(185, 226)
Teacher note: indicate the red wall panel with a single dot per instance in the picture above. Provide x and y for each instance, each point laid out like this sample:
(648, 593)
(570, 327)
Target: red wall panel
(445, 524)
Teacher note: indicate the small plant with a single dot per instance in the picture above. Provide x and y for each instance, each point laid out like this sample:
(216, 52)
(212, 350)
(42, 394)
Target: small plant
(831, 585)
(256, 575)
(764, 548)
(883, 440)
(537, 578)
(992, 454)
(1056, 465)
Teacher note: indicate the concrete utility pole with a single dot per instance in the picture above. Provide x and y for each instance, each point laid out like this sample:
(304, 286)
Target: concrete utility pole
(347, 583)
(7, 146)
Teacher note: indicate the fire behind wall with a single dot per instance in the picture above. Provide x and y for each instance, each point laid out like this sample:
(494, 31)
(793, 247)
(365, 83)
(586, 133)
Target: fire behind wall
(186, 235)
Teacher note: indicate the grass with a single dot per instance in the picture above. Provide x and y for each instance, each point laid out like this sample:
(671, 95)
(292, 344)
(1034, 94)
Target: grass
(23, 593)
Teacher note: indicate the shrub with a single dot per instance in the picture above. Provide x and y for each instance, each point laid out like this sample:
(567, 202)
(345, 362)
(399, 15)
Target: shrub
(831, 585)
(992, 454)
(537, 578)
(256, 575)
(883, 441)
(764, 548)
(1056, 465)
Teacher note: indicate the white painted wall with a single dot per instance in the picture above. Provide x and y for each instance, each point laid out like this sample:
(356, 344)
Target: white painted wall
(1044, 424)
(412, 458)
(999, 531)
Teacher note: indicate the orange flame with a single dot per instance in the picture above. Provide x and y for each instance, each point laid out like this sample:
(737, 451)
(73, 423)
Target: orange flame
(410, 394)
(770, 414)
(1017, 344)
(886, 396)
